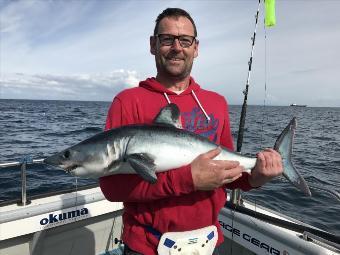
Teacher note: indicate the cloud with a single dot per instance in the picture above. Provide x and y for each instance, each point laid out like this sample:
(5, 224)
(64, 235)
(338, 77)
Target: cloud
(91, 87)
(91, 37)
(37, 21)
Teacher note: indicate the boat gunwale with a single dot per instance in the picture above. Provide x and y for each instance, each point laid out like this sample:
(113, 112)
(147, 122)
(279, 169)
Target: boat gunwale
(48, 194)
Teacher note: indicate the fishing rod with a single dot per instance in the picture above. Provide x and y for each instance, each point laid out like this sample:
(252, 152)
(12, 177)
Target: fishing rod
(245, 92)
(236, 193)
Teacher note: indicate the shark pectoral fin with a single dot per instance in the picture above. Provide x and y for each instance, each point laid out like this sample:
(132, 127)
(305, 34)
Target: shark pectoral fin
(144, 165)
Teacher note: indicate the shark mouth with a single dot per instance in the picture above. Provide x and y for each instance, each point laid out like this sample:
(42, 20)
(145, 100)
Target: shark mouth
(71, 168)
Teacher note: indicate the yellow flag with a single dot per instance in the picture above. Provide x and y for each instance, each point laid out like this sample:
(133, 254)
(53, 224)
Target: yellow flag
(269, 6)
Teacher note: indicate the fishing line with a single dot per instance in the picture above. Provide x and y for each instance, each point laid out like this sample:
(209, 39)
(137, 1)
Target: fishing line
(232, 228)
(76, 184)
(265, 85)
(76, 205)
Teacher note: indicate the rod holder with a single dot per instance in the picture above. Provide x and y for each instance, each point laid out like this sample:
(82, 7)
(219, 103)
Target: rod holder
(236, 197)
(24, 201)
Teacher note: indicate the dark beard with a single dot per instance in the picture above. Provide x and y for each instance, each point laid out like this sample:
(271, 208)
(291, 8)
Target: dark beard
(163, 70)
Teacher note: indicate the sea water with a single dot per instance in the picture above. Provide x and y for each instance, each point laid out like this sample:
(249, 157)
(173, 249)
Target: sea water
(40, 128)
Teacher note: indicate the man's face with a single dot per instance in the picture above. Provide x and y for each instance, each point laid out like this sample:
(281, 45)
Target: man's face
(174, 61)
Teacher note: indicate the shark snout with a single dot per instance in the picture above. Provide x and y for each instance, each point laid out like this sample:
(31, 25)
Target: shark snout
(59, 158)
(53, 160)
(62, 160)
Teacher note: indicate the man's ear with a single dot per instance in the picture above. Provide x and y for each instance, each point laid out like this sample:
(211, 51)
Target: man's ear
(153, 45)
(196, 49)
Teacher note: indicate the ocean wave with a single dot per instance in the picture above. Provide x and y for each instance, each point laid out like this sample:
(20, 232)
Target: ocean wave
(90, 130)
(39, 128)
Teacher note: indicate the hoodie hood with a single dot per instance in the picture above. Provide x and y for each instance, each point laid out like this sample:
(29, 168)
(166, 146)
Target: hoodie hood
(153, 85)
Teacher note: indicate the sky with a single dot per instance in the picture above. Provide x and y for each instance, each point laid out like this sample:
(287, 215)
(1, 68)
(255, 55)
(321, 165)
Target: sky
(90, 50)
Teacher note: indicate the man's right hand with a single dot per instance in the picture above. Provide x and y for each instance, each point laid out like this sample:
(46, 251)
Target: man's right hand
(209, 174)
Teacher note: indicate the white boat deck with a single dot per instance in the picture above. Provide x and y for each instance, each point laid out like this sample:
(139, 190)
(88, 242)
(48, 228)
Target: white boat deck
(84, 222)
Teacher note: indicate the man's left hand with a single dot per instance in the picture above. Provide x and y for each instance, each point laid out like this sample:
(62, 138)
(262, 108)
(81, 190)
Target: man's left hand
(268, 166)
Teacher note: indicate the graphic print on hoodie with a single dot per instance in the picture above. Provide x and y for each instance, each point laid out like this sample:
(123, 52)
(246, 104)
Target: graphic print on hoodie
(196, 122)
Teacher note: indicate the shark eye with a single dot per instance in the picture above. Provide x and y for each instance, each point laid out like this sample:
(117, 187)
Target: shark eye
(66, 154)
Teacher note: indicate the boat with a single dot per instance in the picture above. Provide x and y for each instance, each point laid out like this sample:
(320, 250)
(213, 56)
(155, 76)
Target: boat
(299, 105)
(82, 221)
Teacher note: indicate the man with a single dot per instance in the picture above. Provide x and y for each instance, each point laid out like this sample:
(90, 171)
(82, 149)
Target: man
(190, 197)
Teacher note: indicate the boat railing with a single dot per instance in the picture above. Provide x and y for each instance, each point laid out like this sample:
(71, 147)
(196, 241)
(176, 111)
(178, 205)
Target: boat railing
(23, 165)
(235, 198)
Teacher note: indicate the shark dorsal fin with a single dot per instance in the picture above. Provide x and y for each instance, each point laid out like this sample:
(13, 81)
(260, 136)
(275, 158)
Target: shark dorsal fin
(169, 115)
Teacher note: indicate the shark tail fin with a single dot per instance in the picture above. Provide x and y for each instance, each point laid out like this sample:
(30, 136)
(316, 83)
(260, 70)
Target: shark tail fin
(284, 145)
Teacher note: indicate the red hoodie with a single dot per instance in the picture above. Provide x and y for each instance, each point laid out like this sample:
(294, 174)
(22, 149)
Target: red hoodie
(172, 204)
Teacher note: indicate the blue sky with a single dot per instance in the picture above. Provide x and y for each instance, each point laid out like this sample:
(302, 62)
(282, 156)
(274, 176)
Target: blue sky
(90, 50)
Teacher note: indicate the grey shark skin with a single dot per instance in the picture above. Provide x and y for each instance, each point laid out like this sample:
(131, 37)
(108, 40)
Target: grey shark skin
(147, 149)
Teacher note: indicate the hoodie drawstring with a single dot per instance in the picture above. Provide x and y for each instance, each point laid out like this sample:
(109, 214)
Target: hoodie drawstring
(199, 104)
(167, 98)
(196, 99)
